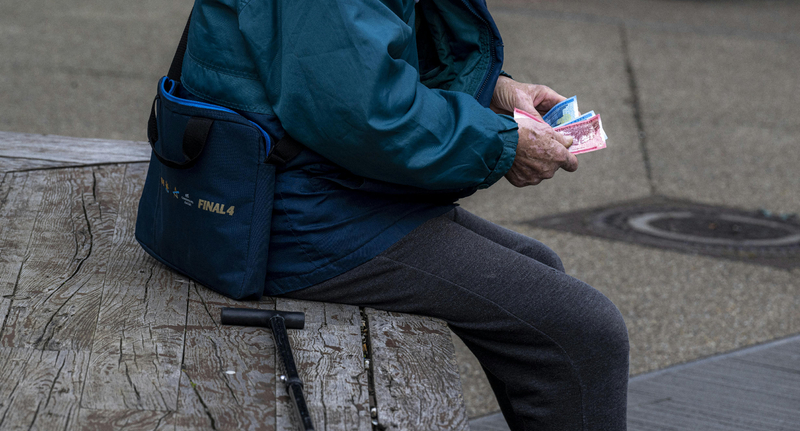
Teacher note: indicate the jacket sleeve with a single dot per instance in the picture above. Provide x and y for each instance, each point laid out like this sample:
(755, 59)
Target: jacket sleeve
(339, 77)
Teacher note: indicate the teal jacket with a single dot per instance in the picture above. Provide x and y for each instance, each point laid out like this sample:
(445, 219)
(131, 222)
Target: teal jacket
(390, 98)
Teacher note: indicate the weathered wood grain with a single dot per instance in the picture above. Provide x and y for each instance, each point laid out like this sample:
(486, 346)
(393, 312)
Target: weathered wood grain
(57, 291)
(228, 379)
(330, 362)
(68, 151)
(40, 389)
(138, 345)
(87, 317)
(129, 420)
(5, 304)
(21, 164)
(19, 203)
(415, 373)
(20, 200)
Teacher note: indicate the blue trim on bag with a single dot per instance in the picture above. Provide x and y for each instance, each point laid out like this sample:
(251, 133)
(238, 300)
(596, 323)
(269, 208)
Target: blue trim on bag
(202, 105)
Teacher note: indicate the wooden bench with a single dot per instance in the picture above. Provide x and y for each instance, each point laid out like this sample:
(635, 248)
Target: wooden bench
(95, 334)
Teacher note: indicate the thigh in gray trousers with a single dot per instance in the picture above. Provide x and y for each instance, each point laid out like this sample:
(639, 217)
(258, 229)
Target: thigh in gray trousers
(555, 350)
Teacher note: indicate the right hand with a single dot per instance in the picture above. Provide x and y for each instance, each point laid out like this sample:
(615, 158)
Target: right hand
(541, 151)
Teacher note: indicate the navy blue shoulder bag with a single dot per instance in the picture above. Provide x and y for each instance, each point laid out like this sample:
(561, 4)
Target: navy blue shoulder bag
(206, 207)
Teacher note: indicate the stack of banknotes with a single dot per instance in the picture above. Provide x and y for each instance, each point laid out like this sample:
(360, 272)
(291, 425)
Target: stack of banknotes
(586, 129)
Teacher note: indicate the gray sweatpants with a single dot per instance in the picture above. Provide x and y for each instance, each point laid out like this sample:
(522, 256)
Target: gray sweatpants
(555, 350)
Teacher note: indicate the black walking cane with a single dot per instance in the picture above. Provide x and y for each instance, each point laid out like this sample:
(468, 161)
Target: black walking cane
(278, 321)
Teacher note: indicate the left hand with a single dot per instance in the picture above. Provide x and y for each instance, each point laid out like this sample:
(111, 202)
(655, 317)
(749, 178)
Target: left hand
(532, 98)
(541, 151)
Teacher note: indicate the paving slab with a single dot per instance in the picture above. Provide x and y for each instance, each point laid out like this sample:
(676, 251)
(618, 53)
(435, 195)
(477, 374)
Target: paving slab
(719, 117)
(764, 19)
(753, 389)
(75, 104)
(748, 389)
(84, 68)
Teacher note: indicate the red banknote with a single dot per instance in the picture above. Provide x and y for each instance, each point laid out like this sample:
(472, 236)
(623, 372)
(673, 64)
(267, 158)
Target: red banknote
(587, 135)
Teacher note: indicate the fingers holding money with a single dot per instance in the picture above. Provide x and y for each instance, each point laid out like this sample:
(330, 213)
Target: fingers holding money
(536, 99)
(584, 132)
(568, 161)
(540, 153)
(544, 98)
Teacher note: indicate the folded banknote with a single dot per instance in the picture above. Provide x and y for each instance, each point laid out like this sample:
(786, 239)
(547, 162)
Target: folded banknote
(586, 131)
(567, 112)
(587, 116)
(563, 113)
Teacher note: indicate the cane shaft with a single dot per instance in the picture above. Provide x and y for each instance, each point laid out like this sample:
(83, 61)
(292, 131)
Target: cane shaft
(294, 386)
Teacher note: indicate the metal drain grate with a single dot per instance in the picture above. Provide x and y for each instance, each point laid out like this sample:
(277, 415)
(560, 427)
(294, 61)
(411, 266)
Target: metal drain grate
(690, 227)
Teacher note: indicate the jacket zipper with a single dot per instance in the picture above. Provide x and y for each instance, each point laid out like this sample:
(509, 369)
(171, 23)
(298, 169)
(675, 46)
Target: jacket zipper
(491, 49)
(175, 99)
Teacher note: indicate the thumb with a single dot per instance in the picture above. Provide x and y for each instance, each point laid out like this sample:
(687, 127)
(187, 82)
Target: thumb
(525, 103)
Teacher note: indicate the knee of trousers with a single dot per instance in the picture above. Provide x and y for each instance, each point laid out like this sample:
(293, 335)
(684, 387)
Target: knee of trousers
(552, 260)
(584, 323)
(604, 336)
(543, 254)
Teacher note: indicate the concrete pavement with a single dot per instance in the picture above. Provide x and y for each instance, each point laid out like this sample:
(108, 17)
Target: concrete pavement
(699, 100)
(751, 389)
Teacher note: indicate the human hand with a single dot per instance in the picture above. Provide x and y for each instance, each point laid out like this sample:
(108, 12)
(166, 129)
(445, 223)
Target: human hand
(541, 151)
(534, 99)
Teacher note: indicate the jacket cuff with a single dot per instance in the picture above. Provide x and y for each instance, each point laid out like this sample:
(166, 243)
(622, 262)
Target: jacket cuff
(503, 73)
(510, 138)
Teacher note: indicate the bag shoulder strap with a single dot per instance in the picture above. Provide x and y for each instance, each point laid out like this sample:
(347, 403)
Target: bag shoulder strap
(176, 66)
(284, 150)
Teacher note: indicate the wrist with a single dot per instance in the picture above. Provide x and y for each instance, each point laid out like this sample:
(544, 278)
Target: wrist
(502, 98)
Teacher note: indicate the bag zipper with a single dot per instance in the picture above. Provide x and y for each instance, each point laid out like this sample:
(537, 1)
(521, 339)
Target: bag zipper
(203, 105)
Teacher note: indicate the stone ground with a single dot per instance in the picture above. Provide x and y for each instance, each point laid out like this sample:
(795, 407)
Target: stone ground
(688, 91)
(752, 389)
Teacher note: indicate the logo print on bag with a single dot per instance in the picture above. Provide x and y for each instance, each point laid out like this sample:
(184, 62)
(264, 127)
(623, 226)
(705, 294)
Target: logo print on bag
(174, 191)
(214, 207)
(202, 204)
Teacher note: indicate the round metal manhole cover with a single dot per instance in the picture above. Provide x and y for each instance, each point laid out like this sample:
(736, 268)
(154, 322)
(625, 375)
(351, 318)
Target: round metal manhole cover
(754, 237)
(703, 228)
(716, 229)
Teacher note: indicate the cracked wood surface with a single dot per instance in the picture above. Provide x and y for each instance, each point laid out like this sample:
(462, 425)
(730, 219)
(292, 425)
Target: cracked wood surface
(415, 373)
(59, 281)
(40, 389)
(228, 371)
(137, 347)
(330, 359)
(95, 334)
